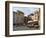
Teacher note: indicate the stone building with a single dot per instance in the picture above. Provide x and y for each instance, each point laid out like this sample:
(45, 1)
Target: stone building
(18, 17)
(35, 17)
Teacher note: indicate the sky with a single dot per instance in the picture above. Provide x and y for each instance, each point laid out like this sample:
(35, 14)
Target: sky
(26, 10)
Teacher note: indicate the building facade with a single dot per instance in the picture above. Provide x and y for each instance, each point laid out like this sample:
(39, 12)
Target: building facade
(18, 18)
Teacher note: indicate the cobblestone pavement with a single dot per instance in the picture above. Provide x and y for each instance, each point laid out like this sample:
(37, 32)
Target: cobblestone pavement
(23, 27)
